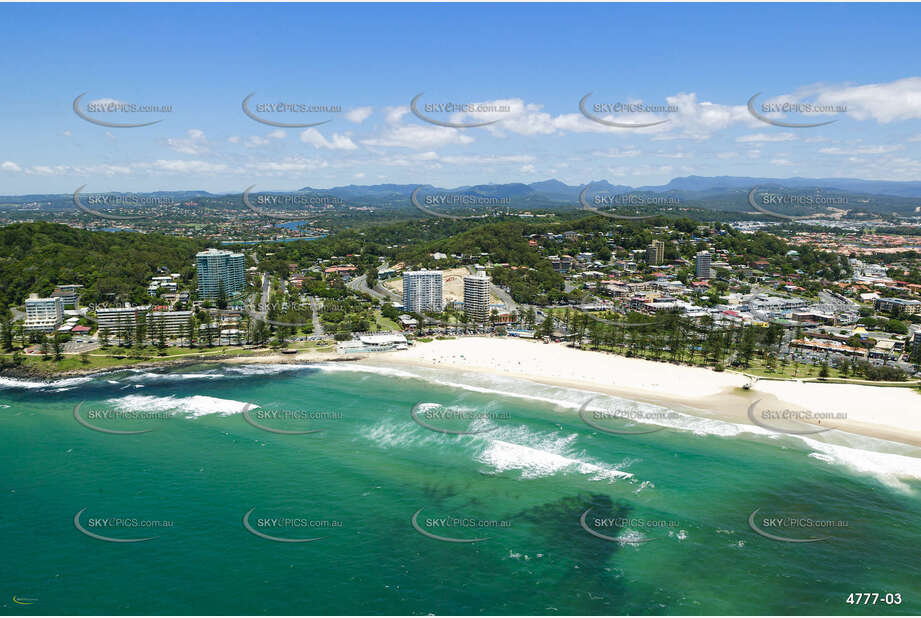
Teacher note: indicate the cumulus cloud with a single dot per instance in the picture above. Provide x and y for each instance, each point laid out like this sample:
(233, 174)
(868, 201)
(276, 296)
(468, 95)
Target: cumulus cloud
(359, 114)
(9, 166)
(338, 142)
(193, 143)
(418, 136)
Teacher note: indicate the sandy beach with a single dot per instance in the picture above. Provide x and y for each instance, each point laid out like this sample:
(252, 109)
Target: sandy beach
(887, 413)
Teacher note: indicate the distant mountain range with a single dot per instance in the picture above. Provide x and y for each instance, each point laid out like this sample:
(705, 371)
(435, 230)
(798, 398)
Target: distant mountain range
(727, 193)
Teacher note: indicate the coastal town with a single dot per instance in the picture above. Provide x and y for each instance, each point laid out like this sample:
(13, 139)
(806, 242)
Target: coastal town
(866, 322)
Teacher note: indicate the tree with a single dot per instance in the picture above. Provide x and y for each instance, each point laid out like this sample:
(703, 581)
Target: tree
(56, 346)
(6, 325)
(190, 330)
(221, 295)
(104, 338)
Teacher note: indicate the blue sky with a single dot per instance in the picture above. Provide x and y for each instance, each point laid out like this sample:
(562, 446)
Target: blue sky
(538, 60)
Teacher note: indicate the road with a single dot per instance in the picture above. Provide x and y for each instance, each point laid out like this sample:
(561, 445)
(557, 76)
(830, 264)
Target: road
(360, 284)
(317, 324)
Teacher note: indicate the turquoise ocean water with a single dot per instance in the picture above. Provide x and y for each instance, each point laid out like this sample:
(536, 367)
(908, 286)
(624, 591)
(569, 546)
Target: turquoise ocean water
(674, 504)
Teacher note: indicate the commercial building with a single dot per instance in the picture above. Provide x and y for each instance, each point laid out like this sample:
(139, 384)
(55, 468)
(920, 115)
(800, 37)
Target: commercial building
(220, 269)
(702, 270)
(422, 291)
(897, 305)
(43, 314)
(373, 342)
(476, 298)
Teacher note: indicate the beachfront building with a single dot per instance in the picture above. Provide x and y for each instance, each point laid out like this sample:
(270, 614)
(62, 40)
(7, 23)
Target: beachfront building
(118, 320)
(702, 270)
(43, 314)
(220, 270)
(172, 323)
(373, 342)
(476, 297)
(69, 295)
(422, 291)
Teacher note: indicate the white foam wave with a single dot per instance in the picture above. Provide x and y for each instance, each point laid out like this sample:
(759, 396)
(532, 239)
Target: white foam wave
(534, 462)
(67, 382)
(890, 468)
(194, 406)
(262, 370)
(503, 448)
(889, 462)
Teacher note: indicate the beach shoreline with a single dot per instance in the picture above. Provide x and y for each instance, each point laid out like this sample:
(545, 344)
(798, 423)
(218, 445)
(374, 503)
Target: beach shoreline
(891, 414)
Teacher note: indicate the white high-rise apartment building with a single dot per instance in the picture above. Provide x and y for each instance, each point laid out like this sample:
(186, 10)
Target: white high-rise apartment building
(476, 297)
(703, 265)
(422, 291)
(216, 268)
(43, 314)
(117, 320)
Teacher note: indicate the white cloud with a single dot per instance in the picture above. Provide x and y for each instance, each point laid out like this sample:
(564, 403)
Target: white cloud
(359, 114)
(338, 142)
(767, 137)
(419, 136)
(487, 159)
(781, 161)
(395, 114)
(193, 143)
(290, 164)
(276, 134)
(184, 166)
(866, 150)
(527, 169)
(617, 153)
(9, 166)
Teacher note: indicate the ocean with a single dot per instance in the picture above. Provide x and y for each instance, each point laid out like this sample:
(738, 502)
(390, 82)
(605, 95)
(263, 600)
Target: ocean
(427, 492)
